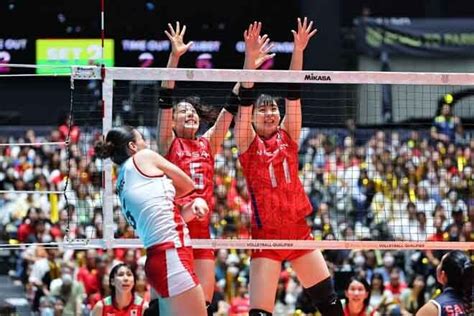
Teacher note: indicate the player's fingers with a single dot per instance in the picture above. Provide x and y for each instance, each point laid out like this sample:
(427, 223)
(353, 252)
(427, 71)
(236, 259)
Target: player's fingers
(171, 29)
(177, 27)
(170, 37)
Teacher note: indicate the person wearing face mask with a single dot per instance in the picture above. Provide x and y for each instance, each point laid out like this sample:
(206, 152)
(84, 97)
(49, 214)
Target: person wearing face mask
(46, 306)
(359, 265)
(69, 290)
(388, 266)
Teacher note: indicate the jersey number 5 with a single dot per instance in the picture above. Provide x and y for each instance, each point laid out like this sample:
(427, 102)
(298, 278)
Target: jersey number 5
(198, 178)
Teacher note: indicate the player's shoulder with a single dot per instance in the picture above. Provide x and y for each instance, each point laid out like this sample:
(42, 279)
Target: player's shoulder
(145, 153)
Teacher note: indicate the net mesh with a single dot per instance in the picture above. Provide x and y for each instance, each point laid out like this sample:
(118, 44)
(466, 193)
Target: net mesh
(372, 159)
(378, 162)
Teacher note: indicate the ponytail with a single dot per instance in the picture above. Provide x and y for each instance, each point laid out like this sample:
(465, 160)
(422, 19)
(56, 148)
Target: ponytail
(103, 150)
(115, 145)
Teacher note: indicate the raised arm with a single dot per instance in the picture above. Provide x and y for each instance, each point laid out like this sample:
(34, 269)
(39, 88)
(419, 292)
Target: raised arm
(244, 132)
(149, 161)
(165, 114)
(178, 48)
(292, 120)
(217, 132)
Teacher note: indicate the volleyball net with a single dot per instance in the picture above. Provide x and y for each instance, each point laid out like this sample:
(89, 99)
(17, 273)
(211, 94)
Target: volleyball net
(371, 159)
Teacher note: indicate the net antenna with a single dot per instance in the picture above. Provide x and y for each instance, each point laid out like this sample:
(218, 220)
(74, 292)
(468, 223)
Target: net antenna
(111, 75)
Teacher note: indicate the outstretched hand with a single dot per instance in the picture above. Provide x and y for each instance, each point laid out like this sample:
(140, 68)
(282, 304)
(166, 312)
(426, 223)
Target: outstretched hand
(254, 43)
(176, 35)
(264, 55)
(304, 33)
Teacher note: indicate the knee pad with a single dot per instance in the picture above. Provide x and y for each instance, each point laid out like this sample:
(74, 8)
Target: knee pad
(324, 298)
(259, 312)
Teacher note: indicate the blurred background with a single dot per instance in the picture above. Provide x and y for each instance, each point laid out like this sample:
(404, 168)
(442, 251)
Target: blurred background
(378, 162)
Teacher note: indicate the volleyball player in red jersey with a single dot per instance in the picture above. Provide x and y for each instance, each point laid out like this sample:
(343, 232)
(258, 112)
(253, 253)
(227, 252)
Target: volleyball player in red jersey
(269, 157)
(123, 301)
(178, 141)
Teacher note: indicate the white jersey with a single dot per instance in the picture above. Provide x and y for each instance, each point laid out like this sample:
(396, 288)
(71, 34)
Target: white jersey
(148, 205)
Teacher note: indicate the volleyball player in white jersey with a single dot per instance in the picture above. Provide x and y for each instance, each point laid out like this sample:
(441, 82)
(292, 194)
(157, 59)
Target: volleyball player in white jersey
(147, 186)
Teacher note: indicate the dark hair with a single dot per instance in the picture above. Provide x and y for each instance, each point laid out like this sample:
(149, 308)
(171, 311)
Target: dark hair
(206, 113)
(366, 285)
(116, 144)
(420, 299)
(458, 268)
(379, 276)
(267, 99)
(112, 275)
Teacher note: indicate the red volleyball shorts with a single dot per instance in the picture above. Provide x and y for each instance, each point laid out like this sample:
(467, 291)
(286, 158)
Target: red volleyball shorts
(170, 271)
(298, 232)
(200, 230)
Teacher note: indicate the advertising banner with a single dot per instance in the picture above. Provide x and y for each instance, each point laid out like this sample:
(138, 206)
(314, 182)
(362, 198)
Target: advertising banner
(416, 37)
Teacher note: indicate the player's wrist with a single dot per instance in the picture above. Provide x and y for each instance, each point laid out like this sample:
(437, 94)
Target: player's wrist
(165, 101)
(247, 95)
(232, 103)
(293, 91)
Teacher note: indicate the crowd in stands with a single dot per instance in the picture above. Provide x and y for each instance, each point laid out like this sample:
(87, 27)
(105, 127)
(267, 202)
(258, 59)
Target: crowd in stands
(401, 185)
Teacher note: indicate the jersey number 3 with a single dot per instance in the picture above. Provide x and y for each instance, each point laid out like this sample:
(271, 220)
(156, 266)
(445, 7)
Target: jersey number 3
(129, 215)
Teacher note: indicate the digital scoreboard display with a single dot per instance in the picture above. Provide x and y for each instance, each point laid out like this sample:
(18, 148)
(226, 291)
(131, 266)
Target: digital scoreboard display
(71, 52)
(15, 51)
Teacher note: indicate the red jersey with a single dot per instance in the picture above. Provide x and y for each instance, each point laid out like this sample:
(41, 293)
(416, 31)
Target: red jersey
(194, 156)
(134, 309)
(277, 195)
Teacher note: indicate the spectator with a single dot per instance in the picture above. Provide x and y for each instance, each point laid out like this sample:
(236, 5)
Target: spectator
(393, 290)
(68, 291)
(388, 267)
(87, 274)
(67, 128)
(414, 297)
(378, 297)
(240, 305)
(446, 125)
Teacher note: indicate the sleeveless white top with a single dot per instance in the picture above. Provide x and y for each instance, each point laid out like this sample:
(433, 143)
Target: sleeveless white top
(148, 205)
